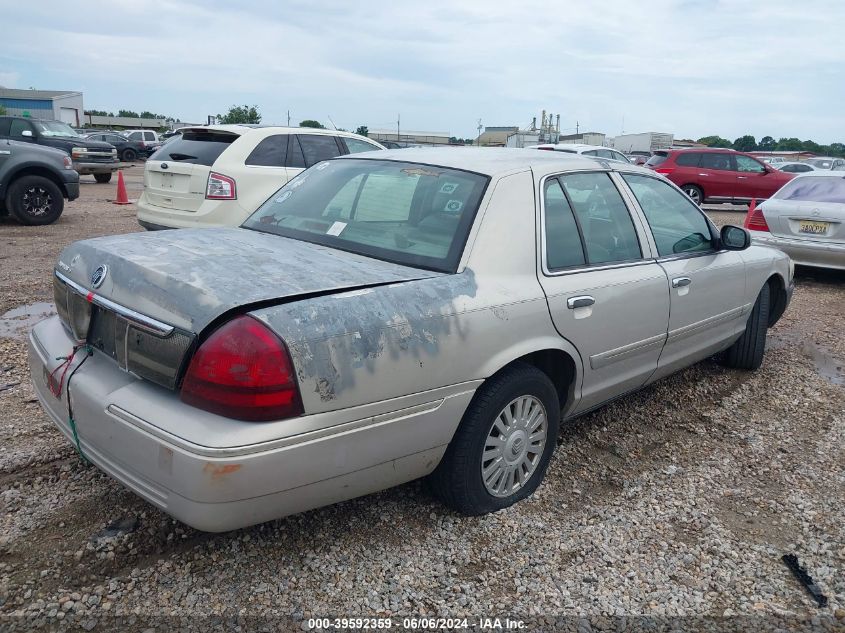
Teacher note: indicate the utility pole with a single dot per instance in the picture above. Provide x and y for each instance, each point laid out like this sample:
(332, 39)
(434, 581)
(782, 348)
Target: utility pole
(478, 138)
(288, 118)
(576, 127)
(398, 119)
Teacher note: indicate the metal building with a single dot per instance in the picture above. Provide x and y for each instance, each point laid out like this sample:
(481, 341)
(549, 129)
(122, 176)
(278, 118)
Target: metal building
(60, 105)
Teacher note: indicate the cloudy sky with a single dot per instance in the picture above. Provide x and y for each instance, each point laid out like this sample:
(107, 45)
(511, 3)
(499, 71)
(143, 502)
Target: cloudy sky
(691, 67)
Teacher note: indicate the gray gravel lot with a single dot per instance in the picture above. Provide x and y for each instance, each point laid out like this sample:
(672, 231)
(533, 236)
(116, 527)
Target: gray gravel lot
(676, 501)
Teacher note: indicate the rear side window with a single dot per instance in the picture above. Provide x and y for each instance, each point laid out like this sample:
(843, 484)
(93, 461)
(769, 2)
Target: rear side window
(270, 152)
(18, 127)
(688, 160)
(199, 147)
(814, 189)
(563, 242)
(676, 222)
(715, 160)
(609, 234)
(149, 136)
(318, 147)
(657, 159)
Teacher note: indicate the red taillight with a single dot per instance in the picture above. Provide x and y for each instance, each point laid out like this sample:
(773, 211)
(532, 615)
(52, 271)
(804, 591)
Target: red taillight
(243, 371)
(220, 187)
(755, 220)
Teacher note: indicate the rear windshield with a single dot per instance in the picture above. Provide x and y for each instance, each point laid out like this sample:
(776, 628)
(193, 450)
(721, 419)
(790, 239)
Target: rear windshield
(814, 189)
(200, 147)
(657, 159)
(407, 213)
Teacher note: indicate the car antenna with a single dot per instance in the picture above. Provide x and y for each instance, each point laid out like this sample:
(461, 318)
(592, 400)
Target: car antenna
(332, 122)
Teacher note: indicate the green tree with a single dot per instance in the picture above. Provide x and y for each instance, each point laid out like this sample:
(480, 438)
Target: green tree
(766, 144)
(714, 141)
(837, 149)
(2, 110)
(240, 114)
(789, 144)
(97, 112)
(130, 113)
(745, 143)
(363, 130)
(312, 123)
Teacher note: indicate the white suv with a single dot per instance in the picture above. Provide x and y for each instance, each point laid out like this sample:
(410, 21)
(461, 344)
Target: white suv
(217, 175)
(596, 151)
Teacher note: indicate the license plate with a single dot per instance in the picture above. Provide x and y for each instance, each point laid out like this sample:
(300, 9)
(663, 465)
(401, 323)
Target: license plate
(167, 181)
(813, 228)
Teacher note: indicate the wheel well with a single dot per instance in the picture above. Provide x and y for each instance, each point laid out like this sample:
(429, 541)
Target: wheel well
(39, 171)
(777, 298)
(558, 366)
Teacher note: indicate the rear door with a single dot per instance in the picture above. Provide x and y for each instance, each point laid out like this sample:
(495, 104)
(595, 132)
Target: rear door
(176, 176)
(606, 294)
(264, 171)
(305, 150)
(811, 208)
(706, 286)
(716, 175)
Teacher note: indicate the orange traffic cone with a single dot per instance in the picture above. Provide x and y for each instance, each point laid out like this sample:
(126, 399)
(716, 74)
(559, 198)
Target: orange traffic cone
(122, 198)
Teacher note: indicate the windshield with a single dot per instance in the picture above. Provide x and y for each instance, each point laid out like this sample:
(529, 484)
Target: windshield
(814, 189)
(407, 213)
(56, 128)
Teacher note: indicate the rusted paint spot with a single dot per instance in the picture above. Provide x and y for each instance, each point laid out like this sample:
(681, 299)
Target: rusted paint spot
(220, 470)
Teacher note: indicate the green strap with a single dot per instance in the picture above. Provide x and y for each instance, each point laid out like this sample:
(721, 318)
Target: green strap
(88, 352)
(76, 438)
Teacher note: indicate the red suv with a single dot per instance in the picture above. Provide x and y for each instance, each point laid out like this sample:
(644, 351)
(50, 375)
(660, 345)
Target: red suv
(718, 175)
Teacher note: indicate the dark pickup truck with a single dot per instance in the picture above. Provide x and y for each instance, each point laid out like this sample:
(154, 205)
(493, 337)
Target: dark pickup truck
(89, 157)
(34, 181)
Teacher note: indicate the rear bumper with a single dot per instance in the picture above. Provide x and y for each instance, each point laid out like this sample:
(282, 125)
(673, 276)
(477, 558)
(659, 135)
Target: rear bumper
(210, 213)
(122, 424)
(805, 252)
(95, 168)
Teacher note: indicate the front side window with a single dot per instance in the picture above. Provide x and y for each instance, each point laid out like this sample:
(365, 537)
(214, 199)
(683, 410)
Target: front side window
(715, 160)
(318, 147)
(134, 136)
(676, 223)
(607, 227)
(563, 242)
(355, 145)
(407, 213)
(814, 189)
(746, 164)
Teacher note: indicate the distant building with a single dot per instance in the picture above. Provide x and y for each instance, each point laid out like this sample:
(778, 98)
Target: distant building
(684, 143)
(644, 142)
(131, 123)
(524, 139)
(497, 136)
(410, 137)
(788, 155)
(584, 138)
(59, 105)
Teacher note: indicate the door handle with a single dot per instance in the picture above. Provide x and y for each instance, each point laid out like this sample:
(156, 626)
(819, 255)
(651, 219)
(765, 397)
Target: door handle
(680, 282)
(702, 174)
(580, 302)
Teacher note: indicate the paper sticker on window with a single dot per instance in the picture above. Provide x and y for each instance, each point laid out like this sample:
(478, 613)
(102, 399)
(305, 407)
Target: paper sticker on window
(336, 228)
(284, 196)
(298, 182)
(454, 206)
(322, 166)
(448, 187)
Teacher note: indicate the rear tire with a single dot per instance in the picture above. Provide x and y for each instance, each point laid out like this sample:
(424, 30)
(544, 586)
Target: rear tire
(102, 178)
(695, 193)
(747, 352)
(490, 464)
(35, 200)
(128, 155)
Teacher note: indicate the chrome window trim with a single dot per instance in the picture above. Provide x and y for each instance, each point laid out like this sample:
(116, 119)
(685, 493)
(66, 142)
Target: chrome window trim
(547, 272)
(142, 321)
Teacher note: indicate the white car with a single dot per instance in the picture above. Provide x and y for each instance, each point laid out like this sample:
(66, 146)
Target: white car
(827, 162)
(596, 151)
(794, 168)
(218, 175)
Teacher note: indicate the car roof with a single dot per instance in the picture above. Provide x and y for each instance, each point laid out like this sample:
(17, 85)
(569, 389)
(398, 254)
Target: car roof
(573, 146)
(493, 161)
(686, 150)
(246, 128)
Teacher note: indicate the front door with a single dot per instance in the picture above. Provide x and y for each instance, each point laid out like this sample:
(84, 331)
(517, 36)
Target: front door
(605, 295)
(706, 286)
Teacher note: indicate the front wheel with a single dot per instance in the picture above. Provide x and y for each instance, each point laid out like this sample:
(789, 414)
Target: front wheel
(35, 200)
(747, 352)
(501, 450)
(102, 178)
(695, 193)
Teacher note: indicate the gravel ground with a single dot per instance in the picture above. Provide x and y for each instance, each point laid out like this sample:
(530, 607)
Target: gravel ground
(676, 502)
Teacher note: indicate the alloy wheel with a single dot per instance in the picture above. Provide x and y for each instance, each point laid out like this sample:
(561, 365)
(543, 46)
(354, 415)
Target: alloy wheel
(37, 201)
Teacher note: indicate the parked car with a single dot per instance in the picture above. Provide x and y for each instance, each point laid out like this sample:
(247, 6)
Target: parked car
(805, 219)
(774, 161)
(148, 139)
(389, 316)
(718, 175)
(822, 162)
(218, 175)
(89, 157)
(127, 150)
(794, 168)
(35, 181)
(595, 151)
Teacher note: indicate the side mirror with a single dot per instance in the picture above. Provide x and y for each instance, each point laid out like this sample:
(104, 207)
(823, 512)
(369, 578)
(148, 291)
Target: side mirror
(27, 133)
(734, 238)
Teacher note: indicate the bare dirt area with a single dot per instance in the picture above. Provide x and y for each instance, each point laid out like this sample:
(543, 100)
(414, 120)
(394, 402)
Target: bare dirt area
(678, 501)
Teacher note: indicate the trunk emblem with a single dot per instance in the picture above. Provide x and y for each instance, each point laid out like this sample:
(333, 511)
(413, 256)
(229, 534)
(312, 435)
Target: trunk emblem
(99, 275)
(164, 165)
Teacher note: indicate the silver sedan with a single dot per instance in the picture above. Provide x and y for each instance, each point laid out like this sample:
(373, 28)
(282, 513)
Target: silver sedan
(805, 219)
(390, 316)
